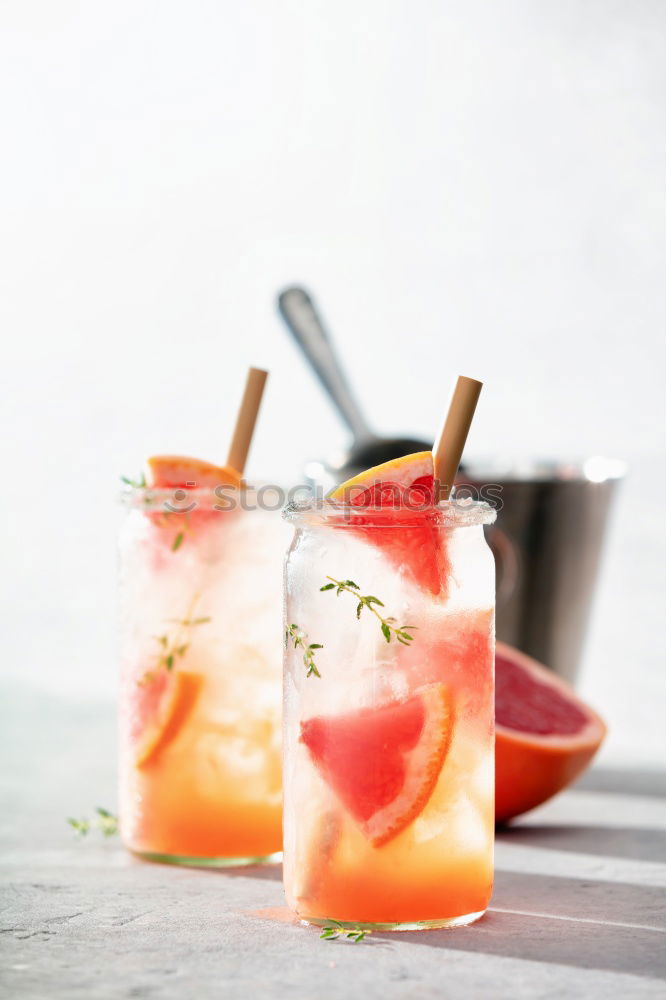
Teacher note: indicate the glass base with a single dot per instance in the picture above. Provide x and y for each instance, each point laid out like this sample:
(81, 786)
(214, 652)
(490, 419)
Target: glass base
(180, 859)
(409, 925)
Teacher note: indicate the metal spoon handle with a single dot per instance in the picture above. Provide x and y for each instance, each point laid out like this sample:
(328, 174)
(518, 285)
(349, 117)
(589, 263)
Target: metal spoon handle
(307, 329)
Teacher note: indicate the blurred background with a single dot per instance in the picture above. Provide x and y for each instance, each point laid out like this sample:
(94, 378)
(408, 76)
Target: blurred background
(466, 187)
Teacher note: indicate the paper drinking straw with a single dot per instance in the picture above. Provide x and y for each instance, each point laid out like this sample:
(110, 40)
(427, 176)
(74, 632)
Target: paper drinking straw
(448, 448)
(246, 419)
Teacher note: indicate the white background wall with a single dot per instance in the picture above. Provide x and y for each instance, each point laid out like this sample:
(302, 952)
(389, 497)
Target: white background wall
(470, 187)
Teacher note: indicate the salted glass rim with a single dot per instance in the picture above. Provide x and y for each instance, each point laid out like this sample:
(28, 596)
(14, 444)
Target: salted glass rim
(460, 513)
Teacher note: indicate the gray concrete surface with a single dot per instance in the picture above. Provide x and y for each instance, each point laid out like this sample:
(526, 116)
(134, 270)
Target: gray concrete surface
(578, 910)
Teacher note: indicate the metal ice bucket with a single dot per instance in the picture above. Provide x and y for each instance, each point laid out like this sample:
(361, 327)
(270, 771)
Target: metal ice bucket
(547, 541)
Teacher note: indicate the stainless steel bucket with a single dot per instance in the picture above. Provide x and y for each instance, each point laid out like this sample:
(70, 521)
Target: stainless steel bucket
(547, 540)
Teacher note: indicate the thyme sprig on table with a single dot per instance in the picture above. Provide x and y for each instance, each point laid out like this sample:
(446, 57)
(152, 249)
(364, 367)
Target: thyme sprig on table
(335, 930)
(388, 625)
(106, 822)
(299, 639)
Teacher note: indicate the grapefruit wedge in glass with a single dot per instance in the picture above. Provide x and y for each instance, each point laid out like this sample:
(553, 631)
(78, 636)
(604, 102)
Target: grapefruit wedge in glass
(383, 762)
(404, 484)
(545, 736)
(161, 703)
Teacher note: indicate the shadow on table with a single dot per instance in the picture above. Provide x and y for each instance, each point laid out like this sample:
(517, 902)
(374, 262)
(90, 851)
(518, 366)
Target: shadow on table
(583, 923)
(581, 899)
(647, 782)
(517, 926)
(638, 844)
(269, 872)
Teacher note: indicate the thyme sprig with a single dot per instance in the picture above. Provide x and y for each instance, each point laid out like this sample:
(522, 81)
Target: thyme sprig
(106, 822)
(299, 639)
(173, 647)
(335, 930)
(388, 625)
(141, 484)
(136, 484)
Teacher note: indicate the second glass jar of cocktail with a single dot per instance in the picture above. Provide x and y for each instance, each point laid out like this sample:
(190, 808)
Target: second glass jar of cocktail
(388, 715)
(200, 714)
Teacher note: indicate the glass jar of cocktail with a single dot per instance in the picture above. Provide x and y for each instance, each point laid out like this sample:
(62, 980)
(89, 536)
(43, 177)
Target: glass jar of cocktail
(388, 710)
(200, 596)
(200, 557)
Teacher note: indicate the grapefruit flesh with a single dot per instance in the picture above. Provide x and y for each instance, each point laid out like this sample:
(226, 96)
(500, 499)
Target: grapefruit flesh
(404, 483)
(545, 736)
(383, 763)
(160, 704)
(180, 471)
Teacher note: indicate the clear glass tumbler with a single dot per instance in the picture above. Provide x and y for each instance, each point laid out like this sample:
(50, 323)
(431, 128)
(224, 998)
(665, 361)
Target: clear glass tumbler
(388, 715)
(200, 712)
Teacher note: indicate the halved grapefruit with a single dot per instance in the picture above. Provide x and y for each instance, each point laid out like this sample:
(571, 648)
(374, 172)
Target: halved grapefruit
(404, 483)
(173, 471)
(383, 763)
(545, 735)
(160, 703)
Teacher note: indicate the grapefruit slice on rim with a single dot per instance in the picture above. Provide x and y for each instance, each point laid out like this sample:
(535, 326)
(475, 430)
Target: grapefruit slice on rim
(160, 704)
(180, 471)
(383, 763)
(545, 736)
(403, 483)
(408, 478)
